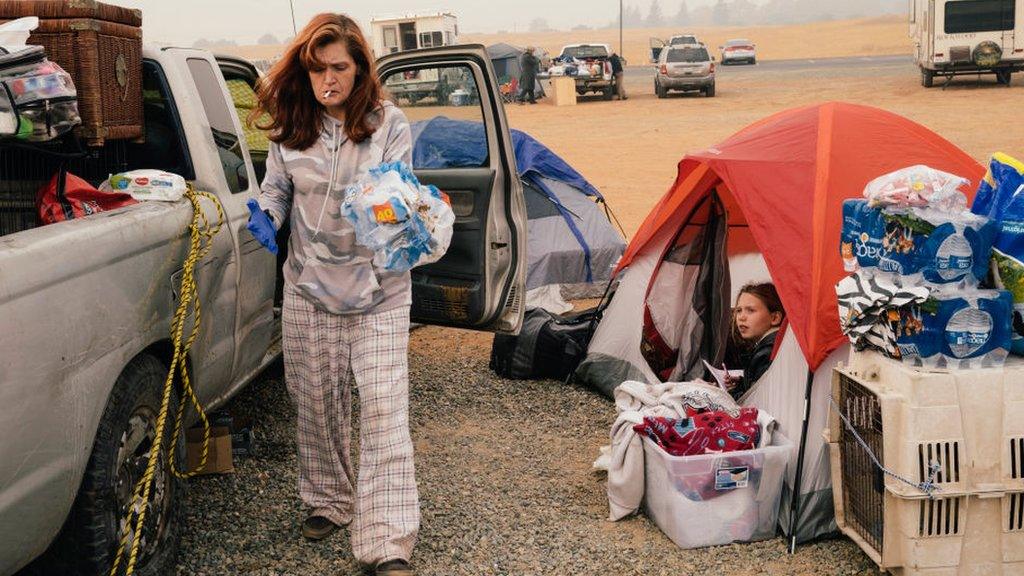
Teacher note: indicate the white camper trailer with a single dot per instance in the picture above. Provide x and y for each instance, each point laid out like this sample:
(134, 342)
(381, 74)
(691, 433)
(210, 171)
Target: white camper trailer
(399, 33)
(411, 32)
(955, 37)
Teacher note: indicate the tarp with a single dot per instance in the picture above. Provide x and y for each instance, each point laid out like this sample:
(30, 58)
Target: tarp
(782, 182)
(570, 240)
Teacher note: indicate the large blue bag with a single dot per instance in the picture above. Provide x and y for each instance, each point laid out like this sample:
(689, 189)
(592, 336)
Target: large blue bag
(1001, 198)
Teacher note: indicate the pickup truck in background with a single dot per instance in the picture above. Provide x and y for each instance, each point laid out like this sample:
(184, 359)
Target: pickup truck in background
(589, 65)
(86, 304)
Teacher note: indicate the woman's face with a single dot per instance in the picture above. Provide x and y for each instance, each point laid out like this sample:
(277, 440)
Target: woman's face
(333, 84)
(753, 320)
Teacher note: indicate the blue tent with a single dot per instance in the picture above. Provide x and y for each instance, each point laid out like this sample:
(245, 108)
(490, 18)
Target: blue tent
(571, 240)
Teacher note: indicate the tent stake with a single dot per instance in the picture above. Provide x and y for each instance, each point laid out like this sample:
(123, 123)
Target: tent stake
(794, 505)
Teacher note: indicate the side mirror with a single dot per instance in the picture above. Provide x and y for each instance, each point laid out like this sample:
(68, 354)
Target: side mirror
(721, 47)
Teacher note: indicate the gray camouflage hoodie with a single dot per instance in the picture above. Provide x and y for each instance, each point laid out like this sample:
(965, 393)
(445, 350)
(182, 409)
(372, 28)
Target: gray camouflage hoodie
(324, 262)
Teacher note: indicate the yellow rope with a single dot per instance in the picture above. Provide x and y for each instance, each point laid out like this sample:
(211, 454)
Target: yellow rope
(201, 236)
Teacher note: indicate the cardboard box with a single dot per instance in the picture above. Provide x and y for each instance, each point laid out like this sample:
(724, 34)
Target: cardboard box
(562, 90)
(218, 458)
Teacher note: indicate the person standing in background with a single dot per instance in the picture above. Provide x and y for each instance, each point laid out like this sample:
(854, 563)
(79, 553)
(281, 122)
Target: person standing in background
(620, 85)
(528, 76)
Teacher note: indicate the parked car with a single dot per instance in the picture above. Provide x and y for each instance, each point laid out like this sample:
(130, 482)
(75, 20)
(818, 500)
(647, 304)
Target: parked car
(657, 44)
(87, 303)
(685, 68)
(738, 50)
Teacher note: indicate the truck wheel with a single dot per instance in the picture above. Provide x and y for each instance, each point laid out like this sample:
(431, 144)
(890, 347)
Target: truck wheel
(927, 77)
(1004, 77)
(710, 91)
(660, 90)
(608, 93)
(127, 429)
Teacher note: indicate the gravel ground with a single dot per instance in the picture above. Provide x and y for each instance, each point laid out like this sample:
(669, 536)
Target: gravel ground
(505, 486)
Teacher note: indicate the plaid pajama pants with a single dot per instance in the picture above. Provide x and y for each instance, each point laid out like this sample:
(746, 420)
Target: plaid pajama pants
(323, 353)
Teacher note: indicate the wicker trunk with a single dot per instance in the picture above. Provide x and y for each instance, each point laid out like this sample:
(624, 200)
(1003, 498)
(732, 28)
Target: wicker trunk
(101, 47)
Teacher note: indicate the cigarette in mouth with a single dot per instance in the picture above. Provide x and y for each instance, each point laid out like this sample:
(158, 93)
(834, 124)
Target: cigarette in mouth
(327, 93)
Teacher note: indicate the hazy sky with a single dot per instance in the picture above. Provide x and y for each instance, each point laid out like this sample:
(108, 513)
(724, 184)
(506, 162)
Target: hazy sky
(184, 21)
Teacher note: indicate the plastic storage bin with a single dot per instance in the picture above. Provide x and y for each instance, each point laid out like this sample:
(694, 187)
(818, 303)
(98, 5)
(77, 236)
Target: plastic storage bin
(716, 499)
(969, 425)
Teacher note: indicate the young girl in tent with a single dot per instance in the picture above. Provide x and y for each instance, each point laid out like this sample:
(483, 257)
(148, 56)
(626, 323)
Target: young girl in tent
(755, 324)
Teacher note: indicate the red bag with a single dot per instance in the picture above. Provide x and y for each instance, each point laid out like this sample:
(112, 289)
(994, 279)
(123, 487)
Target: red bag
(67, 197)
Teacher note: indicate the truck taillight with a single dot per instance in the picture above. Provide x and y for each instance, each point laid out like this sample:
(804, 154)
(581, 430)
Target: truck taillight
(712, 67)
(664, 69)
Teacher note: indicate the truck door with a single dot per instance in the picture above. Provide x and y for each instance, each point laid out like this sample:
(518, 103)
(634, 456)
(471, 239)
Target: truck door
(462, 145)
(657, 45)
(223, 161)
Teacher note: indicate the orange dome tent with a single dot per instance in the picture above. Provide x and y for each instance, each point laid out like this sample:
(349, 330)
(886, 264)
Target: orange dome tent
(773, 190)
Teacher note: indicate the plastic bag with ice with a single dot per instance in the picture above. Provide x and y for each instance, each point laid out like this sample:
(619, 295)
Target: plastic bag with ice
(405, 223)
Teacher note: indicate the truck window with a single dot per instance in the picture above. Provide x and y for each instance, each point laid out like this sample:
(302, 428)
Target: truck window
(221, 124)
(584, 52)
(979, 16)
(441, 102)
(163, 148)
(687, 54)
(679, 40)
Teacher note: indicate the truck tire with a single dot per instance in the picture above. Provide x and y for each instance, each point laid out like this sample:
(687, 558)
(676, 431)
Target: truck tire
(1004, 76)
(710, 91)
(608, 93)
(660, 90)
(91, 533)
(927, 77)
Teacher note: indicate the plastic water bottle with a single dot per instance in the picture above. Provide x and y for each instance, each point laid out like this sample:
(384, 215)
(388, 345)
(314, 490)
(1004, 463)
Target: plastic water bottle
(954, 258)
(968, 330)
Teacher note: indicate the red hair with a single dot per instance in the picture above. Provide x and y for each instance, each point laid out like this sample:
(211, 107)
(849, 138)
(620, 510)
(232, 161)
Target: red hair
(286, 95)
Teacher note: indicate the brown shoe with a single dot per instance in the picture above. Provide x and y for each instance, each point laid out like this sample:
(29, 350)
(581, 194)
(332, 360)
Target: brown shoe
(318, 527)
(396, 567)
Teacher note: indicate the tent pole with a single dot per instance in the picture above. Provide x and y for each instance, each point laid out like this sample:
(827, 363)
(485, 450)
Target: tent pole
(794, 504)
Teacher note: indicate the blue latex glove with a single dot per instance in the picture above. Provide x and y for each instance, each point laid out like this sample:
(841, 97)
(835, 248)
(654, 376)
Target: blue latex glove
(262, 227)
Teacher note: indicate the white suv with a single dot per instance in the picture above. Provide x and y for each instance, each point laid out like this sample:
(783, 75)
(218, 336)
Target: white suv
(686, 67)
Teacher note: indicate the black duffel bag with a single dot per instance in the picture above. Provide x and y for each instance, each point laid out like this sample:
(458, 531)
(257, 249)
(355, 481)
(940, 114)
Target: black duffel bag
(548, 346)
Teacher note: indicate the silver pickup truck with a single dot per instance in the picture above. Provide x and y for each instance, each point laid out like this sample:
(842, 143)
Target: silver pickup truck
(85, 305)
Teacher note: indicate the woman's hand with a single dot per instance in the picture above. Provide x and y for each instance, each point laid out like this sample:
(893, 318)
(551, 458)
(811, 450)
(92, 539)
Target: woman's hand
(262, 227)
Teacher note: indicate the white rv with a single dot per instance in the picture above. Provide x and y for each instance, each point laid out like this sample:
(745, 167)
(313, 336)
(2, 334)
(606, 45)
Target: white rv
(399, 33)
(954, 37)
(411, 32)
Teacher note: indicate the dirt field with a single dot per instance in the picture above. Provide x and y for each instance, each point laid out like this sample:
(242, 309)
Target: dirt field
(876, 36)
(629, 150)
(866, 37)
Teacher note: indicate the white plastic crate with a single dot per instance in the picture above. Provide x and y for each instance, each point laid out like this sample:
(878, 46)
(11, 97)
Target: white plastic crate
(716, 499)
(963, 430)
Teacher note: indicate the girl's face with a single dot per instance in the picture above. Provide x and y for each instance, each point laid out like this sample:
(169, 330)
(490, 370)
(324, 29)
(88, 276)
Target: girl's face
(333, 83)
(753, 320)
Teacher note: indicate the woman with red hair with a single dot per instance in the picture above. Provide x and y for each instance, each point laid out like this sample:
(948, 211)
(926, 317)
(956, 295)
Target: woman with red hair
(343, 319)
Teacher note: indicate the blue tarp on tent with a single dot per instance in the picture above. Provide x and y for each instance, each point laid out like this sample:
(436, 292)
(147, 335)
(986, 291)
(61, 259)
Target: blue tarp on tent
(445, 143)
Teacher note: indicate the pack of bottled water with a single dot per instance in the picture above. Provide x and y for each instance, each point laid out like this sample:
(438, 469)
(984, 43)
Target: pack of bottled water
(1001, 198)
(920, 244)
(913, 227)
(957, 328)
(405, 223)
